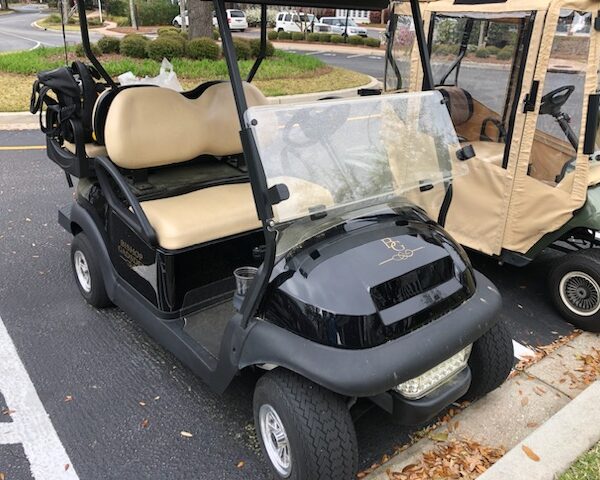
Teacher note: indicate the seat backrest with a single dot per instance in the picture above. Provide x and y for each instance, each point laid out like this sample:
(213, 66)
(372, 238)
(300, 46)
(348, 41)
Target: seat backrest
(150, 127)
(459, 103)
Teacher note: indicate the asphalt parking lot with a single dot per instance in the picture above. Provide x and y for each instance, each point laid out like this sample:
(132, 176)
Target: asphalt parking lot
(118, 402)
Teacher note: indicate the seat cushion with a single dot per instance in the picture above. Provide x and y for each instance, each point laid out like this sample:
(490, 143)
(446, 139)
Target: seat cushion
(91, 149)
(490, 152)
(459, 103)
(153, 126)
(222, 211)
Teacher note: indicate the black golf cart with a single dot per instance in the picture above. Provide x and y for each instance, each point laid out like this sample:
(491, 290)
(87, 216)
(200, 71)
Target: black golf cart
(284, 238)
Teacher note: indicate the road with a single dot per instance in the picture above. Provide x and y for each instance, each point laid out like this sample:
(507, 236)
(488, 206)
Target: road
(91, 369)
(17, 33)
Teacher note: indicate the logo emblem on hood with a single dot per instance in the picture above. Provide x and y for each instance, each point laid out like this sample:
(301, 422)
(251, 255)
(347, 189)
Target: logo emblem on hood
(401, 252)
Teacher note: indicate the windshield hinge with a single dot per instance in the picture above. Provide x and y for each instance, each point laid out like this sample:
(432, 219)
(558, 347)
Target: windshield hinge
(278, 193)
(465, 153)
(531, 97)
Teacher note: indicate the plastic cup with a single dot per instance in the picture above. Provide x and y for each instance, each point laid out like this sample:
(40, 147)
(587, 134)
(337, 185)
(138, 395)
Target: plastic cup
(243, 279)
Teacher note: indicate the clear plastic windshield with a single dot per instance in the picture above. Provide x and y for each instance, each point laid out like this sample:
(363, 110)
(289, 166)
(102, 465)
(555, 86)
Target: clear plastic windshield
(342, 156)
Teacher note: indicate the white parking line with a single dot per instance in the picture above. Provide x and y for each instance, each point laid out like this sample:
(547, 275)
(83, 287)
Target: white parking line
(521, 351)
(315, 53)
(31, 425)
(375, 57)
(356, 56)
(330, 54)
(3, 32)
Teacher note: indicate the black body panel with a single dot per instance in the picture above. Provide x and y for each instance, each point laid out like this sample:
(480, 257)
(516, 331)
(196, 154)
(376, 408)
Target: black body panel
(359, 287)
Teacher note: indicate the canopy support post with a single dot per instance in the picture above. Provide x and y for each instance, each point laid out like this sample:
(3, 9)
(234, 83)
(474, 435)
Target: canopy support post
(428, 83)
(263, 43)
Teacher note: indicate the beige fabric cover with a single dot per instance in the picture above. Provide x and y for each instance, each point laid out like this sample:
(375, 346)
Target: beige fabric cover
(489, 152)
(219, 212)
(149, 127)
(91, 149)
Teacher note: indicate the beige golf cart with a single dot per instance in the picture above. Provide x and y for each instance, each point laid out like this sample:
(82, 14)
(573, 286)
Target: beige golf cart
(520, 79)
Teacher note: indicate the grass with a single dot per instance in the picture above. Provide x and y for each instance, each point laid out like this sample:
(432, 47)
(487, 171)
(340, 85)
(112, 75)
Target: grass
(284, 74)
(587, 467)
(52, 22)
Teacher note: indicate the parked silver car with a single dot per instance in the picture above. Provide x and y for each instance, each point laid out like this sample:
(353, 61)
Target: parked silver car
(337, 26)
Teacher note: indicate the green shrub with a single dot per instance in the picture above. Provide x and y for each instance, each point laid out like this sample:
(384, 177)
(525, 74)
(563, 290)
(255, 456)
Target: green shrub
(242, 48)
(313, 37)
(272, 35)
(482, 53)
(372, 42)
(505, 54)
(134, 46)
(355, 40)
(297, 36)
(94, 22)
(325, 37)
(216, 35)
(255, 48)
(109, 44)
(203, 48)
(53, 18)
(338, 39)
(81, 53)
(174, 35)
(164, 47)
(163, 30)
(116, 8)
(492, 50)
(156, 12)
(284, 36)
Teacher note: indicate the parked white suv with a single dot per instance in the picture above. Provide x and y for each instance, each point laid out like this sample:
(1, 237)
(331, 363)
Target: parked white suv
(337, 26)
(294, 22)
(236, 18)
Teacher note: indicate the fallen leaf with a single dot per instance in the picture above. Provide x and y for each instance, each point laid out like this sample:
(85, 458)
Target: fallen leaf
(439, 436)
(532, 425)
(67, 466)
(143, 404)
(145, 423)
(2, 476)
(524, 401)
(7, 411)
(157, 398)
(530, 453)
(186, 434)
(240, 464)
(68, 398)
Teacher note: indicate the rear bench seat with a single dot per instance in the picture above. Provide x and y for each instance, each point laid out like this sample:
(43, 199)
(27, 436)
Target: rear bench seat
(150, 127)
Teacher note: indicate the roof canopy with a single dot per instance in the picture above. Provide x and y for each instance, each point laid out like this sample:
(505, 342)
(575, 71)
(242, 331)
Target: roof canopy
(348, 4)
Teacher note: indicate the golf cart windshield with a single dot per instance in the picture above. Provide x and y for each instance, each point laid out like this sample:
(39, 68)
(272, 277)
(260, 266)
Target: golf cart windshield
(338, 158)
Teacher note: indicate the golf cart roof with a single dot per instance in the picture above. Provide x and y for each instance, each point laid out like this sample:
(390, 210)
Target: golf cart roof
(493, 6)
(346, 4)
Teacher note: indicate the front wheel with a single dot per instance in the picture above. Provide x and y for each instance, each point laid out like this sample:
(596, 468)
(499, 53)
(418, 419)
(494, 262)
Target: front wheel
(305, 430)
(575, 288)
(491, 361)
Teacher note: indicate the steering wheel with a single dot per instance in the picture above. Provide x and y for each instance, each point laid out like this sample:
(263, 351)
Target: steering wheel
(553, 101)
(316, 124)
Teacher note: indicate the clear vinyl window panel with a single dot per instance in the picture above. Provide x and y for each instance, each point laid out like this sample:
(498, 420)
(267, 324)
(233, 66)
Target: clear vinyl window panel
(338, 157)
(399, 67)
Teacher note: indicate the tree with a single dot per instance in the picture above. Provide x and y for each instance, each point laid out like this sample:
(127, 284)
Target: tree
(200, 18)
(3, 4)
(132, 14)
(65, 11)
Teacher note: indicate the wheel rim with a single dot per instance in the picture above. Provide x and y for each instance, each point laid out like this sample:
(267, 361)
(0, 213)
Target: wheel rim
(275, 440)
(83, 271)
(580, 293)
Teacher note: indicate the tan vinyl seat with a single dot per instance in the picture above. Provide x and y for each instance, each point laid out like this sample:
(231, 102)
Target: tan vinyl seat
(150, 127)
(489, 152)
(91, 149)
(222, 211)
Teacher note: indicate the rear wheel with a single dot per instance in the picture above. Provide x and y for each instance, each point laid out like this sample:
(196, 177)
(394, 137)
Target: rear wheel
(87, 272)
(575, 288)
(305, 431)
(491, 361)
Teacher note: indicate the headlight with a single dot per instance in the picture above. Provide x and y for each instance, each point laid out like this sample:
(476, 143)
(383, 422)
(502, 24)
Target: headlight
(422, 385)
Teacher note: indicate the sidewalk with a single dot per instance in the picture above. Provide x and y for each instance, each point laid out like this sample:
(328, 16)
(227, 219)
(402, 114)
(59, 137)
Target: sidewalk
(507, 416)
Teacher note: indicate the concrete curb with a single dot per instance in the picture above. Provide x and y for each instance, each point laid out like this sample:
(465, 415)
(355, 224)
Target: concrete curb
(558, 442)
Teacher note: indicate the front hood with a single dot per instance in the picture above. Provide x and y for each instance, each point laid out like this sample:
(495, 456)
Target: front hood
(390, 272)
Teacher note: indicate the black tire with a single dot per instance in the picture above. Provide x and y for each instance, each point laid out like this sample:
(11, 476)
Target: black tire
(94, 292)
(577, 293)
(322, 439)
(491, 361)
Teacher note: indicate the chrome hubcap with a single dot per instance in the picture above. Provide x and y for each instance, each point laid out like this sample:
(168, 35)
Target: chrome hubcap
(83, 272)
(580, 293)
(275, 439)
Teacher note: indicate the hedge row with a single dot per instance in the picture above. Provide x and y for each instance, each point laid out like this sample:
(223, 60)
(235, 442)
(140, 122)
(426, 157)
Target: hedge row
(173, 44)
(505, 53)
(324, 38)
